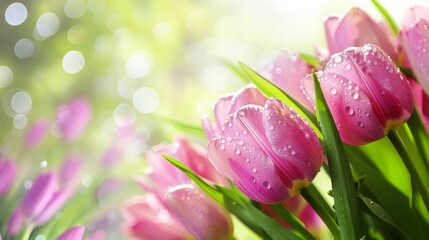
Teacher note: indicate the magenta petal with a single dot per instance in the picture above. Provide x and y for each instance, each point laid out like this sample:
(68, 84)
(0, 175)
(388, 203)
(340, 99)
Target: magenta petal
(39, 194)
(57, 201)
(73, 117)
(247, 95)
(8, 171)
(240, 155)
(298, 148)
(16, 221)
(417, 50)
(222, 109)
(357, 28)
(37, 133)
(74, 233)
(200, 214)
(287, 71)
(413, 15)
(70, 168)
(331, 24)
(422, 103)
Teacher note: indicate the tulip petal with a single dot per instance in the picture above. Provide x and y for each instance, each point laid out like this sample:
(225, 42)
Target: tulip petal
(413, 15)
(238, 156)
(37, 133)
(298, 148)
(331, 24)
(16, 221)
(57, 201)
(417, 49)
(247, 95)
(199, 213)
(74, 233)
(222, 109)
(39, 194)
(73, 117)
(8, 170)
(148, 229)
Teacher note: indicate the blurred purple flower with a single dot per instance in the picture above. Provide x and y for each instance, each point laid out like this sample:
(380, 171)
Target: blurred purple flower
(37, 133)
(73, 117)
(8, 169)
(74, 233)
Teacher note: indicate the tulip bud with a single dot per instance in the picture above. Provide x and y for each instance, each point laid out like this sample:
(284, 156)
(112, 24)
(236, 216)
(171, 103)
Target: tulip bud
(414, 42)
(287, 72)
(74, 233)
(73, 117)
(354, 29)
(227, 105)
(8, 171)
(200, 214)
(367, 94)
(37, 133)
(269, 152)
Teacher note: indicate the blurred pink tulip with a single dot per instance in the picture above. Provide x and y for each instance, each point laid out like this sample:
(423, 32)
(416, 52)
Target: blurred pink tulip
(355, 29)
(227, 105)
(422, 103)
(8, 169)
(148, 218)
(74, 233)
(98, 235)
(199, 213)
(73, 117)
(367, 94)
(37, 133)
(287, 72)
(16, 221)
(165, 175)
(269, 152)
(413, 37)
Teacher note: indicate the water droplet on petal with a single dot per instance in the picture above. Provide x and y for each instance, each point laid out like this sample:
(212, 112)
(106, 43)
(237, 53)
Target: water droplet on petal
(292, 152)
(242, 114)
(349, 110)
(338, 59)
(222, 146)
(266, 184)
(271, 127)
(355, 95)
(254, 170)
(333, 91)
(237, 151)
(348, 67)
(367, 114)
(360, 124)
(261, 191)
(279, 71)
(253, 179)
(241, 142)
(247, 160)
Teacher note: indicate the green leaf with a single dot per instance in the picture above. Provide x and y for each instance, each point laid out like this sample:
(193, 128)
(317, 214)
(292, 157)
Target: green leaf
(271, 90)
(344, 190)
(386, 15)
(292, 220)
(420, 135)
(256, 220)
(185, 127)
(310, 59)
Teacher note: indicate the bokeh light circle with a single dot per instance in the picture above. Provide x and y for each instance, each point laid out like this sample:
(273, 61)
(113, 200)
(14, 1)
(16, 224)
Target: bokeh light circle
(73, 62)
(16, 14)
(124, 115)
(146, 100)
(24, 48)
(21, 102)
(75, 8)
(20, 121)
(6, 76)
(47, 24)
(139, 64)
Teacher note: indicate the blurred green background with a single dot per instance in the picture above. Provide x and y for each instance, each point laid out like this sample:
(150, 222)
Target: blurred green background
(133, 59)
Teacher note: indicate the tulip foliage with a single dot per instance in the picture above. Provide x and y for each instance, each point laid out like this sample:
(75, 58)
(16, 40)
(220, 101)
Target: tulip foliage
(359, 114)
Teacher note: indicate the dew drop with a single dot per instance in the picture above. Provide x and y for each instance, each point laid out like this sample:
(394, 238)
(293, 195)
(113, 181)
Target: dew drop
(261, 191)
(253, 179)
(372, 202)
(365, 70)
(247, 160)
(333, 91)
(228, 139)
(424, 50)
(222, 146)
(271, 127)
(348, 67)
(338, 59)
(237, 151)
(292, 152)
(349, 110)
(279, 71)
(241, 142)
(367, 114)
(266, 184)
(254, 170)
(375, 63)
(360, 124)
(355, 95)
(242, 114)
(230, 124)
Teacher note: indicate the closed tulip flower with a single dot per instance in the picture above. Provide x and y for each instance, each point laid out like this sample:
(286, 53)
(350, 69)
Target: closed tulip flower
(414, 40)
(199, 213)
(367, 94)
(73, 117)
(37, 133)
(354, 29)
(8, 169)
(269, 152)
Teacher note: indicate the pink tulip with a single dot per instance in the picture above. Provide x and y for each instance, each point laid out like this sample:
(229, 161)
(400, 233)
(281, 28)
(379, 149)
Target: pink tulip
(413, 37)
(367, 95)
(148, 218)
(8, 169)
(73, 117)
(37, 133)
(227, 105)
(165, 175)
(269, 152)
(199, 213)
(74, 233)
(16, 221)
(422, 103)
(355, 29)
(287, 72)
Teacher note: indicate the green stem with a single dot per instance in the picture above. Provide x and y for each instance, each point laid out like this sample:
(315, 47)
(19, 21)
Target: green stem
(292, 220)
(420, 135)
(322, 208)
(25, 235)
(411, 164)
(386, 15)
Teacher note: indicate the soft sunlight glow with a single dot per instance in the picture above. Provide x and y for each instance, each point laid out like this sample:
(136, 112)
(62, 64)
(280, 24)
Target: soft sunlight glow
(146, 100)
(139, 64)
(24, 48)
(6, 76)
(47, 24)
(16, 14)
(21, 102)
(73, 62)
